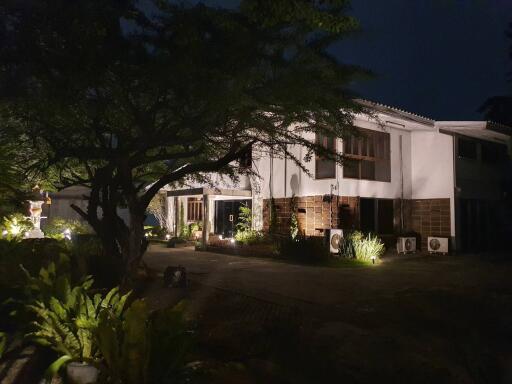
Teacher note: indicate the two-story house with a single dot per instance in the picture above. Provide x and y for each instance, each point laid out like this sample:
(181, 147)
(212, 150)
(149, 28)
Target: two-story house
(403, 173)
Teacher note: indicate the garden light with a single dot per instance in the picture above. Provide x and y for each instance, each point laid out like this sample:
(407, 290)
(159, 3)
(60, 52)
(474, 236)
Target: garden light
(373, 259)
(67, 234)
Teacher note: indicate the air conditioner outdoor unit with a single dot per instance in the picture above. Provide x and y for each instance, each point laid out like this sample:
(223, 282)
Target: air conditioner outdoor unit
(406, 244)
(437, 245)
(335, 240)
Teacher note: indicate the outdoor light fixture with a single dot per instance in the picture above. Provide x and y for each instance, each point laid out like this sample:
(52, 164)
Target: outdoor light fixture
(373, 259)
(27, 234)
(220, 237)
(167, 237)
(5, 232)
(232, 240)
(67, 234)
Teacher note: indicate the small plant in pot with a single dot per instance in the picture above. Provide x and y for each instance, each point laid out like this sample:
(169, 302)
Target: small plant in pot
(68, 324)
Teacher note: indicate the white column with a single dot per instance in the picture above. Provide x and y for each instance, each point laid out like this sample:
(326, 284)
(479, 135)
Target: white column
(206, 221)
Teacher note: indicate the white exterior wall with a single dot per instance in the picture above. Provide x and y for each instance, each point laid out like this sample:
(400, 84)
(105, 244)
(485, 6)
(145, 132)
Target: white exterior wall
(288, 179)
(432, 168)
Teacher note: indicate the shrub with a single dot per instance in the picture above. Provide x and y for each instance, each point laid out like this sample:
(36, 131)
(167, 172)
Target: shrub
(56, 227)
(140, 347)
(365, 248)
(310, 250)
(155, 231)
(15, 225)
(68, 323)
(249, 237)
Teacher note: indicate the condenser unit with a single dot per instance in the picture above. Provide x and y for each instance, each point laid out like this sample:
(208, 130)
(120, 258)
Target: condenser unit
(335, 240)
(437, 244)
(406, 245)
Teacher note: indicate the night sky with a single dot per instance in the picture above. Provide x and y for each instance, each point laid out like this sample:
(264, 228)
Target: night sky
(438, 58)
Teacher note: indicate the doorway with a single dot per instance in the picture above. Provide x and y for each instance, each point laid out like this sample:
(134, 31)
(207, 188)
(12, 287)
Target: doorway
(226, 216)
(376, 215)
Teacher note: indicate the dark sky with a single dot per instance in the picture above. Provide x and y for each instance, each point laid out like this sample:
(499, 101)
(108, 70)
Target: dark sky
(438, 58)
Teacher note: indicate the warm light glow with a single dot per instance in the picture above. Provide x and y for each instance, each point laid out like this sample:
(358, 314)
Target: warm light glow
(232, 241)
(167, 237)
(27, 234)
(220, 237)
(67, 234)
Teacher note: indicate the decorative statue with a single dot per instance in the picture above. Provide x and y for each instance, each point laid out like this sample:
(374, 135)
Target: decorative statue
(35, 210)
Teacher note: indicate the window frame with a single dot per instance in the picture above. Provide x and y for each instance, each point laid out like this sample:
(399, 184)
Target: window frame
(194, 209)
(381, 150)
(319, 158)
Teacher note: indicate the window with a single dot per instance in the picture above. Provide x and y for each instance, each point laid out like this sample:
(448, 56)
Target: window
(194, 209)
(467, 149)
(325, 168)
(493, 153)
(368, 156)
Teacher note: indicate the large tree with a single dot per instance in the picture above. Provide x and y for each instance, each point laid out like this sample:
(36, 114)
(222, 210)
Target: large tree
(126, 99)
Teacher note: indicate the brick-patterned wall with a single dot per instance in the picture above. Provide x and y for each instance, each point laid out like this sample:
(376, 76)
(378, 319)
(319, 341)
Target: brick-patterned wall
(431, 217)
(314, 213)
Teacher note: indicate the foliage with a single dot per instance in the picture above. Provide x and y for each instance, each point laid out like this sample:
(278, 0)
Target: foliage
(244, 219)
(365, 248)
(183, 228)
(3, 343)
(156, 207)
(143, 348)
(170, 99)
(309, 250)
(250, 236)
(16, 225)
(294, 224)
(68, 324)
(194, 227)
(56, 227)
(155, 231)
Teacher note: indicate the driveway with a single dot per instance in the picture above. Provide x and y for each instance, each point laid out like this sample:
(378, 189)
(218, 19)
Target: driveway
(306, 286)
(437, 319)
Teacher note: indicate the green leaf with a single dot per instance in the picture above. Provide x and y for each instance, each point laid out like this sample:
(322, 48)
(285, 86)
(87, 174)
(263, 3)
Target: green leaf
(54, 368)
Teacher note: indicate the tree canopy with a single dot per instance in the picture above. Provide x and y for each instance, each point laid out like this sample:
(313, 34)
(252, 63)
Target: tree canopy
(124, 100)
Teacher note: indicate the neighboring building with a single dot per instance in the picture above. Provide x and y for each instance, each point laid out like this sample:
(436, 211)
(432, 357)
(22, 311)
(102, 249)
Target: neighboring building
(404, 173)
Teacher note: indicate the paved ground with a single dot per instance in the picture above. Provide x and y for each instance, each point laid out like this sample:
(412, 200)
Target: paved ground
(418, 320)
(333, 287)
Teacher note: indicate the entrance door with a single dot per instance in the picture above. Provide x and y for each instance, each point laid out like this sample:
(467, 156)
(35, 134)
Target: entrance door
(376, 215)
(226, 216)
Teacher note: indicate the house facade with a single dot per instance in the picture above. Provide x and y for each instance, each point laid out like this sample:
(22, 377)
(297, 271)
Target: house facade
(404, 173)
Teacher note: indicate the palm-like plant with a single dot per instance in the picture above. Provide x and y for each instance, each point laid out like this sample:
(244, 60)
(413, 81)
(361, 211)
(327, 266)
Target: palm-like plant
(68, 324)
